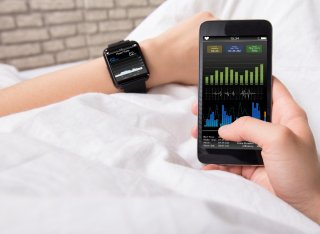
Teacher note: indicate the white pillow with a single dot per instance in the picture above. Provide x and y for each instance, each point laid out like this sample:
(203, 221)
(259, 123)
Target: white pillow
(9, 75)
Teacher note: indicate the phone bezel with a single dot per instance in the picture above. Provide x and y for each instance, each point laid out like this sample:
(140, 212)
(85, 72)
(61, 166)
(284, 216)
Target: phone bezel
(233, 28)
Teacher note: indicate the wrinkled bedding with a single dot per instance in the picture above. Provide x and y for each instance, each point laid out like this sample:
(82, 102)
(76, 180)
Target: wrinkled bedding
(126, 163)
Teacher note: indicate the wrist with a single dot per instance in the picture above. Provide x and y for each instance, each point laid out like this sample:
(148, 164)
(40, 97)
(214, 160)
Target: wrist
(157, 62)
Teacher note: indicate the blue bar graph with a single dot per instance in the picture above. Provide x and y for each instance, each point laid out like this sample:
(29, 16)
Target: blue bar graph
(256, 110)
(225, 119)
(216, 120)
(211, 122)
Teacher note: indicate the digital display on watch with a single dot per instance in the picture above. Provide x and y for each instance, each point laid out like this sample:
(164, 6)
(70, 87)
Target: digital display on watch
(126, 63)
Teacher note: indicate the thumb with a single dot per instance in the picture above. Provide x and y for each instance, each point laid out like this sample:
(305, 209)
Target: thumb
(254, 130)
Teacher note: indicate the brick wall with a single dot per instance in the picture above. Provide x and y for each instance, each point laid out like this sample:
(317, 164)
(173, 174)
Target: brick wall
(37, 33)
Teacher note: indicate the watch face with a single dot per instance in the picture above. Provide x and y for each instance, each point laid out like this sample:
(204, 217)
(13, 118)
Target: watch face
(126, 63)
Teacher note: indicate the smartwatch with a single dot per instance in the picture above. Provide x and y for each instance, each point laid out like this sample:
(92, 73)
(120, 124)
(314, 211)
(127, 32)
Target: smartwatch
(127, 66)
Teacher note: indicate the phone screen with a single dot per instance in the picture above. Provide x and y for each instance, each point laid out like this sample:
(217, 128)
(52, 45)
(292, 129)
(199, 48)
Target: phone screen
(234, 84)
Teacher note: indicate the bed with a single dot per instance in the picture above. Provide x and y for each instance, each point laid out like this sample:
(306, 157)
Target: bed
(126, 163)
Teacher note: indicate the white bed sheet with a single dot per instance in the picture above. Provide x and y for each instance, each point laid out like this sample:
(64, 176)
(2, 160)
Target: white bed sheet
(126, 163)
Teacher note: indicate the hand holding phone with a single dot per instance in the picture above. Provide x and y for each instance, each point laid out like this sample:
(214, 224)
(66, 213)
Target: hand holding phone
(291, 167)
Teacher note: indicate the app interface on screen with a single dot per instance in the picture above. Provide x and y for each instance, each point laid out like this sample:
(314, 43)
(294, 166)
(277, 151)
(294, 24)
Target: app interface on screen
(126, 63)
(233, 85)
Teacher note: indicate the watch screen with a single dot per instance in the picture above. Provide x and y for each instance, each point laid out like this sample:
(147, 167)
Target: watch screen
(126, 63)
(233, 85)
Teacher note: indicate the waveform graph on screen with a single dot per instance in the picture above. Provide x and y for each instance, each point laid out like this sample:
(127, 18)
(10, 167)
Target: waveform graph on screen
(126, 72)
(233, 93)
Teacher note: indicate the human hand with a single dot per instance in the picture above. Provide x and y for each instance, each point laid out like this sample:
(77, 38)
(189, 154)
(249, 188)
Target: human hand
(291, 167)
(173, 55)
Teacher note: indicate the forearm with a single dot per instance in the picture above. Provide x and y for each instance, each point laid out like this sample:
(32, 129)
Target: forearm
(55, 87)
(171, 57)
(92, 76)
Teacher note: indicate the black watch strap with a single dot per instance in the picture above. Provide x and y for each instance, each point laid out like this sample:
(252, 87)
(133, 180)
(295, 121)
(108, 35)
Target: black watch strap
(118, 44)
(135, 86)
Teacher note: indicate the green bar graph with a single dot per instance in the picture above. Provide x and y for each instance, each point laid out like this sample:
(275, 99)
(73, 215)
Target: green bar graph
(216, 74)
(256, 75)
(246, 77)
(231, 76)
(226, 73)
(261, 74)
(236, 77)
(221, 78)
(241, 79)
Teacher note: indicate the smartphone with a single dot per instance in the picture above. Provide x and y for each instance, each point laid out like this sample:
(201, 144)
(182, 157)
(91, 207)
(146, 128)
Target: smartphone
(234, 81)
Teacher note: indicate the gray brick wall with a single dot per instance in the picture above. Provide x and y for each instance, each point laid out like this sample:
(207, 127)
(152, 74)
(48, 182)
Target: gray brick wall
(36, 33)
